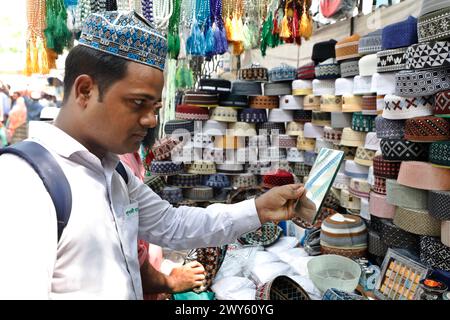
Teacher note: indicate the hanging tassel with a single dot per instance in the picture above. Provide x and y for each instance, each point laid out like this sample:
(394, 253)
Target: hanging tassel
(295, 25)
(45, 69)
(306, 25)
(247, 36)
(35, 68)
(173, 43)
(224, 41)
(51, 58)
(195, 44)
(266, 34)
(182, 53)
(28, 66)
(210, 45)
(217, 40)
(228, 28)
(284, 32)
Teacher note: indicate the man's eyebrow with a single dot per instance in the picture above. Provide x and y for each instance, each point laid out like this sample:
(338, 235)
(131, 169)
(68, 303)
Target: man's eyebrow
(144, 95)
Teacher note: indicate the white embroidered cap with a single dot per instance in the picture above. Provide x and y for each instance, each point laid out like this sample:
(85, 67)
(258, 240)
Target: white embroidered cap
(278, 115)
(312, 132)
(214, 128)
(383, 83)
(368, 65)
(302, 87)
(295, 155)
(322, 87)
(362, 85)
(291, 102)
(344, 86)
(372, 142)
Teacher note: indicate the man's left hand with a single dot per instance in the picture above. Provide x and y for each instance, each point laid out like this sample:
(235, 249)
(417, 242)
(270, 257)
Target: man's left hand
(277, 204)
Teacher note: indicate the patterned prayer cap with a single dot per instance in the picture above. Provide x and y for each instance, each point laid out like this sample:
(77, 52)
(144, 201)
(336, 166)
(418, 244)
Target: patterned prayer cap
(127, 35)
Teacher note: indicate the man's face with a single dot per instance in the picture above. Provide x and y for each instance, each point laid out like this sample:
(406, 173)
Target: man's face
(120, 122)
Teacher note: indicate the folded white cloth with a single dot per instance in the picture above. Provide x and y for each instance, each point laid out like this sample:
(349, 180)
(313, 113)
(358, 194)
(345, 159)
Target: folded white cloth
(234, 288)
(288, 255)
(263, 273)
(284, 243)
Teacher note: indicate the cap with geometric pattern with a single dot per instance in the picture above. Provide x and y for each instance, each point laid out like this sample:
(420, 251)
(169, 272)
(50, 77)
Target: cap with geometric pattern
(434, 25)
(264, 102)
(166, 168)
(201, 98)
(278, 88)
(202, 167)
(398, 108)
(442, 104)
(417, 221)
(389, 129)
(391, 60)
(425, 82)
(330, 103)
(440, 153)
(217, 180)
(434, 253)
(352, 138)
(386, 169)
(403, 150)
(349, 68)
(224, 114)
(427, 129)
(253, 115)
(283, 72)
(439, 204)
(332, 135)
(362, 122)
(311, 102)
(199, 193)
(321, 118)
(302, 115)
(188, 112)
(364, 156)
(348, 48)
(127, 35)
(172, 194)
(184, 180)
(351, 103)
(294, 128)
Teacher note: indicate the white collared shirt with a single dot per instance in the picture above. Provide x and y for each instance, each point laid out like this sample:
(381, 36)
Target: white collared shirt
(96, 257)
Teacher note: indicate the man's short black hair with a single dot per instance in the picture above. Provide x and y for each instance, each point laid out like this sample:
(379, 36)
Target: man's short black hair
(104, 68)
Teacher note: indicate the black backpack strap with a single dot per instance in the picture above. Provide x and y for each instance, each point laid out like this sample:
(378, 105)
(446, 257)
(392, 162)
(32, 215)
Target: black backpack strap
(51, 174)
(123, 173)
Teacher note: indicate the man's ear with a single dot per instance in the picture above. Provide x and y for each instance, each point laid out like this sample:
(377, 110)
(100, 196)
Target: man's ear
(84, 89)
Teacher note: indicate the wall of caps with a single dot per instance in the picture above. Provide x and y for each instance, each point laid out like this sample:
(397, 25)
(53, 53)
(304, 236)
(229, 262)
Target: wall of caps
(382, 99)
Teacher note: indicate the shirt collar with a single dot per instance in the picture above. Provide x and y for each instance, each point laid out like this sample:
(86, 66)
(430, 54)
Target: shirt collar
(65, 145)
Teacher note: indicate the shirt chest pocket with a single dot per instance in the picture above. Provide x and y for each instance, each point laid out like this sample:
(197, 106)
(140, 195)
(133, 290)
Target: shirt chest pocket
(128, 223)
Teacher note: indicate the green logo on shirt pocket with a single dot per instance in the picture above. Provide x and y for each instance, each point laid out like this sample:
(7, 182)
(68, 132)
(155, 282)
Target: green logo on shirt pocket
(131, 212)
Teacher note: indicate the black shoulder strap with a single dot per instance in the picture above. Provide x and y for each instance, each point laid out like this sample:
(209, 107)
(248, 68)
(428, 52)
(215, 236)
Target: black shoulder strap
(123, 173)
(51, 174)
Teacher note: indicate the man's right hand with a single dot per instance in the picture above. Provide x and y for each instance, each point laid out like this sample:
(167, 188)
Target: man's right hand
(186, 277)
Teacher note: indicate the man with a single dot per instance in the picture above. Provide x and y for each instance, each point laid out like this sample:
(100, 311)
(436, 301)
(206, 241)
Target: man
(34, 106)
(113, 81)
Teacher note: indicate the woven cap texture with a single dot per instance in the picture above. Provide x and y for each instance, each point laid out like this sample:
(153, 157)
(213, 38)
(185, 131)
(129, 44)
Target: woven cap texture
(400, 34)
(427, 129)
